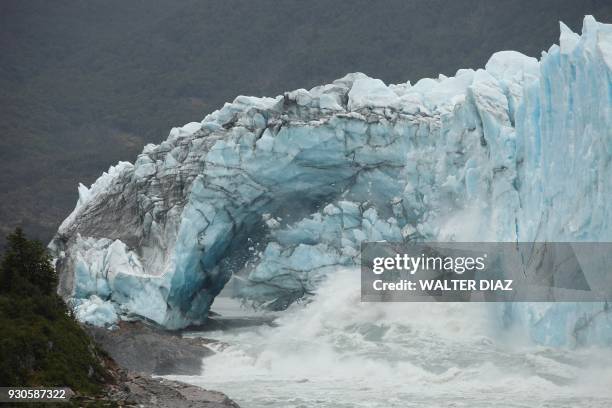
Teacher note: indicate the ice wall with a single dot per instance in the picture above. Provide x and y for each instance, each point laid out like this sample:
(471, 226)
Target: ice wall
(281, 191)
(564, 153)
(564, 133)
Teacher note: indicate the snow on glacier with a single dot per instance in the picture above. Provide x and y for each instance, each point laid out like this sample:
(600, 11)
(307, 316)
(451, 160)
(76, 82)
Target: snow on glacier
(281, 191)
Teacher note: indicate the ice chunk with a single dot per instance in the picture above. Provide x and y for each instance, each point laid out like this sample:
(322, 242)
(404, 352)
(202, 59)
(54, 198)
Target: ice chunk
(368, 92)
(506, 65)
(96, 312)
(568, 39)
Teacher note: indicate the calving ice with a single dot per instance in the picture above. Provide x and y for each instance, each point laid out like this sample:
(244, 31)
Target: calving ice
(498, 154)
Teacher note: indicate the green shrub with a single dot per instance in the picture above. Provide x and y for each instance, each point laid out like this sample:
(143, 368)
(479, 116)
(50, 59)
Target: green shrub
(40, 343)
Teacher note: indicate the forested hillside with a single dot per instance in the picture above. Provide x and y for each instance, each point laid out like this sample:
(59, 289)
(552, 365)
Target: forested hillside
(84, 84)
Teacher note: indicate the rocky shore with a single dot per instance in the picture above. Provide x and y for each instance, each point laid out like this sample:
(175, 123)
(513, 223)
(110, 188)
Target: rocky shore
(138, 351)
(143, 390)
(144, 349)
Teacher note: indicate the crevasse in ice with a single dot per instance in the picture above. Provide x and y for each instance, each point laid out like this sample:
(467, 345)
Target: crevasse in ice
(281, 191)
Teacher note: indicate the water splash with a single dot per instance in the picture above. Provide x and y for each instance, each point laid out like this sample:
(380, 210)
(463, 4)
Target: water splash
(339, 352)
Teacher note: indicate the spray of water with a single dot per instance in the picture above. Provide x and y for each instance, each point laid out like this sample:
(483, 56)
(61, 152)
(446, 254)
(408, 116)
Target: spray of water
(339, 352)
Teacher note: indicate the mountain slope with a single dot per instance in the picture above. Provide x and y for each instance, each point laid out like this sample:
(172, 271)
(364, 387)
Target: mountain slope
(85, 84)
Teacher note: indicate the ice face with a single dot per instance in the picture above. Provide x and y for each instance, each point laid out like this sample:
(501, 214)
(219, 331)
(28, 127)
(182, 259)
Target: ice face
(280, 192)
(563, 128)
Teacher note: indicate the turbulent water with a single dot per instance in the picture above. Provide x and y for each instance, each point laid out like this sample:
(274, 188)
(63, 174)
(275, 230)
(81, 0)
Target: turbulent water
(338, 352)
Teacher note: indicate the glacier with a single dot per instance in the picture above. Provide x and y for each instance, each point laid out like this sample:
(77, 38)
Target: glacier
(280, 192)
